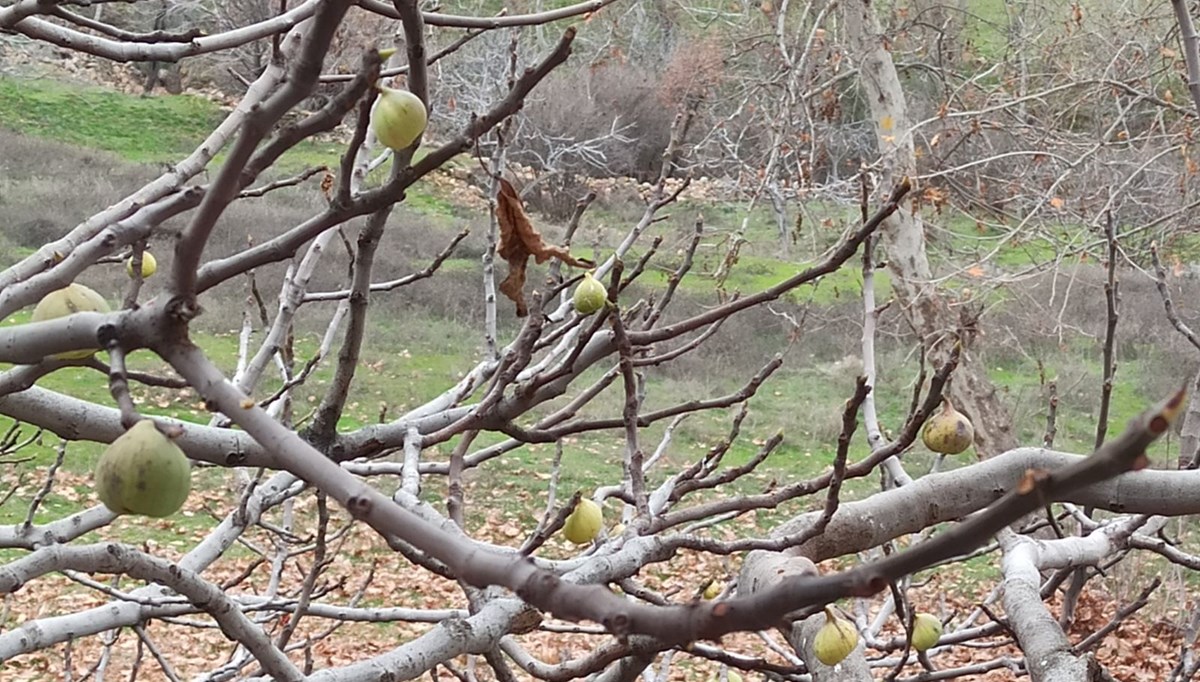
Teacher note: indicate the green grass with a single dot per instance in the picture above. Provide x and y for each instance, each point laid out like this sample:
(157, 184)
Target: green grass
(144, 129)
(987, 28)
(160, 128)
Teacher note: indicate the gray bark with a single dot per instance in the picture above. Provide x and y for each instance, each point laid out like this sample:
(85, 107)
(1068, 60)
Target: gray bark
(1048, 653)
(1189, 431)
(904, 233)
(763, 569)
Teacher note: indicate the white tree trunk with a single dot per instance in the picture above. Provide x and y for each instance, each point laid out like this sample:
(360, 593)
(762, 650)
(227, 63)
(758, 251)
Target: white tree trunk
(904, 232)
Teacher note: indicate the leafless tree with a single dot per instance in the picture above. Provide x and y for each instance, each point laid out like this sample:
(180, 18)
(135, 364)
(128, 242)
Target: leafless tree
(380, 475)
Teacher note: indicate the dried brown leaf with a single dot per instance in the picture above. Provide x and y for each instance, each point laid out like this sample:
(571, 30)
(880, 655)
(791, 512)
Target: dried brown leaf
(519, 240)
(327, 185)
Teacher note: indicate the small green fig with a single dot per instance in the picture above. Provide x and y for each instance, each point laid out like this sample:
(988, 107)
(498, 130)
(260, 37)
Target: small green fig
(584, 522)
(149, 265)
(949, 431)
(398, 118)
(74, 298)
(590, 295)
(143, 472)
(714, 589)
(835, 640)
(927, 630)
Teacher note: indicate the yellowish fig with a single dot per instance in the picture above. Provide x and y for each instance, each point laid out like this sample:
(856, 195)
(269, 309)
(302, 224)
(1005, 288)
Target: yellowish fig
(590, 295)
(74, 298)
(143, 472)
(949, 431)
(584, 523)
(398, 118)
(714, 589)
(927, 630)
(149, 265)
(835, 640)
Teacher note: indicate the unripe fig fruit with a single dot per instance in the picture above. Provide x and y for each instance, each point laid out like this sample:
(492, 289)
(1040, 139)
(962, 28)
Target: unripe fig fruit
(74, 298)
(143, 472)
(590, 295)
(149, 265)
(949, 431)
(584, 522)
(927, 630)
(714, 589)
(835, 640)
(398, 118)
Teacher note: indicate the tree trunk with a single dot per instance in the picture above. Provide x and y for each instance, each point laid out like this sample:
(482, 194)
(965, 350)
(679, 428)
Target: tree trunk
(764, 569)
(904, 236)
(1189, 432)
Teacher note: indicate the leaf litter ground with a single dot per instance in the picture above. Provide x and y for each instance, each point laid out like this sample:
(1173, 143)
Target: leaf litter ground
(366, 572)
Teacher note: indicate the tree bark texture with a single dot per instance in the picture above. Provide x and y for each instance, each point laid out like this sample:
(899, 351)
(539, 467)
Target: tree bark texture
(904, 235)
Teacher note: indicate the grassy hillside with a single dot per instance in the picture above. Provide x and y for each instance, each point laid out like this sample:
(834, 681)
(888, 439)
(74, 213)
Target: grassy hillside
(134, 128)
(161, 128)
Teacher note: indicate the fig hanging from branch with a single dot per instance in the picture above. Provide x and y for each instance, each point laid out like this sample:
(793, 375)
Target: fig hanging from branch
(399, 118)
(948, 432)
(519, 240)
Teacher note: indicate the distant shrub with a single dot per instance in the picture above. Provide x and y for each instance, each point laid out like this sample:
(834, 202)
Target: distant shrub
(584, 105)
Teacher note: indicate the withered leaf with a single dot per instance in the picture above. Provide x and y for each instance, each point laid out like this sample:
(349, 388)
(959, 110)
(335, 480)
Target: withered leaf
(327, 185)
(519, 240)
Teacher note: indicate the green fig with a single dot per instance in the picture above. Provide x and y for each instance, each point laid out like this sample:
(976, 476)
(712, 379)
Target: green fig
(584, 522)
(74, 298)
(398, 118)
(835, 640)
(949, 431)
(590, 295)
(143, 472)
(927, 630)
(714, 589)
(149, 265)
